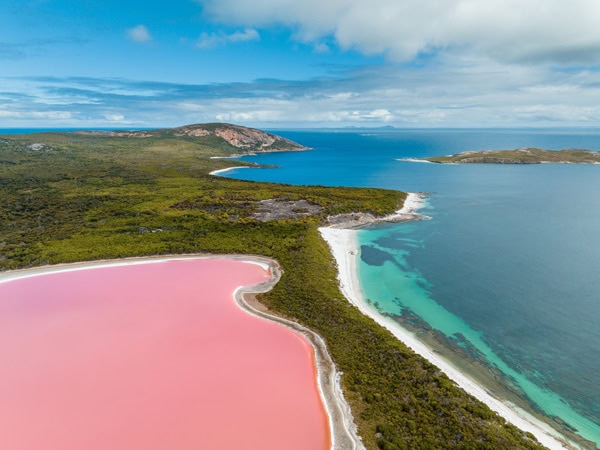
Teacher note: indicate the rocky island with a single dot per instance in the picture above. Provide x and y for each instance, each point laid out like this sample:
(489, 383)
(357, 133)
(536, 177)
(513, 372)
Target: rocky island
(520, 156)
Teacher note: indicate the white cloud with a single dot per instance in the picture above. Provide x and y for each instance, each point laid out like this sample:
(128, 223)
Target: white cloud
(139, 34)
(506, 30)
(379, 115)
(210, 40)
(466, 96)
(44, 115)
(250, 116)
(472, 93)
(114, 117)
(243, 36)
(319, 47)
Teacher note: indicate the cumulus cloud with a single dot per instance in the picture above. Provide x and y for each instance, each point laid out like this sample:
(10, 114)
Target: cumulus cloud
(319, 47)
(114, 117)
(36, 115)
(139, 33)
(505, 30)
(249, 116)
(210, 40)
(470, 94)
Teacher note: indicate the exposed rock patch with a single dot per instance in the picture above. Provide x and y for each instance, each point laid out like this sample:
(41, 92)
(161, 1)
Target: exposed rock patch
(272, 209)
(360, 220)
(38, 147)
(239, 137)
(492, 160)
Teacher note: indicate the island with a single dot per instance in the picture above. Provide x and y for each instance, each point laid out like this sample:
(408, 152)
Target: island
(71, 197)
(520, 156)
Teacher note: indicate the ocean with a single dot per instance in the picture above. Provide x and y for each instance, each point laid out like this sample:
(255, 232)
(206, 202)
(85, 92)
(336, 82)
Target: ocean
(504, 278)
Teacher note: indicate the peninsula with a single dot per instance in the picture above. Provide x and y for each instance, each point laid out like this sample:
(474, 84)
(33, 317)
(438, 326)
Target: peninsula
(520, 156)
(90, 196)
(221, 136)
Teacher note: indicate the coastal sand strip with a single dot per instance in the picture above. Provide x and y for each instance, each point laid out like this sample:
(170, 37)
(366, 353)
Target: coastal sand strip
(344, 246)
(227, 169)
(344, 434)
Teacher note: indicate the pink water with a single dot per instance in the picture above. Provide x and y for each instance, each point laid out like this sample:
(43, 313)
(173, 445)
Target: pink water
(151, 356)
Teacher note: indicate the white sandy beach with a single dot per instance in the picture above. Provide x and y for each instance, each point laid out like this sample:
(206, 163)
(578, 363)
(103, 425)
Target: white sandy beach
(345, 249)
(417, 160)
(227, 169)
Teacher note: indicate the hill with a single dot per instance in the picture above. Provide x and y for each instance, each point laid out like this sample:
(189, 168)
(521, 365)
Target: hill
(244, 139)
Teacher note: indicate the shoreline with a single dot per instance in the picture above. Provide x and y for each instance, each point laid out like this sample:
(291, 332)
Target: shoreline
(227, 169)
(408, 213)
(260, 152)
(415, 160)
(342, 429)
(345, 249)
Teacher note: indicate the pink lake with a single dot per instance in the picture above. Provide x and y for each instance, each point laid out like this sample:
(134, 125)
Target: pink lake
(152, 356)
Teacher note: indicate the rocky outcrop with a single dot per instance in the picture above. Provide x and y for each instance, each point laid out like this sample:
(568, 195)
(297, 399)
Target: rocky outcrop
(240, 137)
(491, 160)
(272, 209)
(248, 140)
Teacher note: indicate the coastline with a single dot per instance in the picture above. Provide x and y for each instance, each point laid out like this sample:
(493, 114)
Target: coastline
(343, 431)
(416, 160)
(345, 248)
(408, 213)
(227, 169)
(239, 155)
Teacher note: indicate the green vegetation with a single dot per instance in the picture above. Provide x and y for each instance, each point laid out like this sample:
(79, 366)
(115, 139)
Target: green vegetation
(85, 197)
(521, 156)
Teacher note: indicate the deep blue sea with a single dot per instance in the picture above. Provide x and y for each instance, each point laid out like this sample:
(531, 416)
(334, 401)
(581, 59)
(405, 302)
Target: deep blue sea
(508, 267)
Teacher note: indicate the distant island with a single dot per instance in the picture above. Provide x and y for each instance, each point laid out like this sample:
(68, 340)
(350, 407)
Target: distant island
(519, 156)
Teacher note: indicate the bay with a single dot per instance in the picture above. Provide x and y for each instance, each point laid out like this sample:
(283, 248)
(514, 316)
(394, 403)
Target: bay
(506, 270)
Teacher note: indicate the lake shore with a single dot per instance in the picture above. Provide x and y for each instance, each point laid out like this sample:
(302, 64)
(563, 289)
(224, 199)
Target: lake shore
(344, 245)
(343, 432)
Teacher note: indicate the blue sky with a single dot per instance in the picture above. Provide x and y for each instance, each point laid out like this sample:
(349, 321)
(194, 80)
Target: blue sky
(315, 63)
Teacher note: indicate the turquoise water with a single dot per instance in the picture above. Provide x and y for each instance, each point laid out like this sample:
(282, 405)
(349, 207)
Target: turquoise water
(507, 267)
